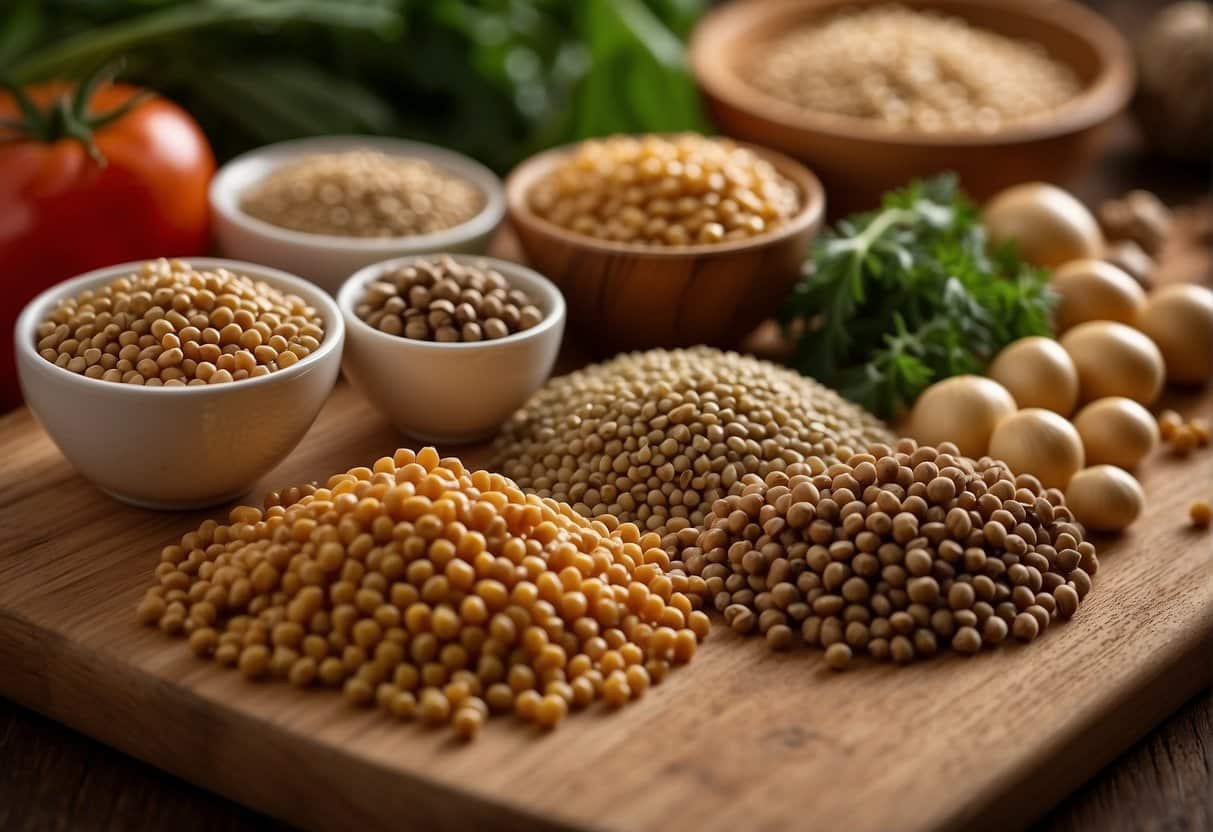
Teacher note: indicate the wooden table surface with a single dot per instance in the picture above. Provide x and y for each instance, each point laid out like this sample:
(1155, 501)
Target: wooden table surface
(52, 778)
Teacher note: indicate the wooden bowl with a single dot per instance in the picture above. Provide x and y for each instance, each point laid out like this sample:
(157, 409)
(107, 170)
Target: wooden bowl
(624, 296)
(858, 160)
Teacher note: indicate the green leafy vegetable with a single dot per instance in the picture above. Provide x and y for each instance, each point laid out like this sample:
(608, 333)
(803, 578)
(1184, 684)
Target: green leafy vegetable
(495, 79)
(896, 299)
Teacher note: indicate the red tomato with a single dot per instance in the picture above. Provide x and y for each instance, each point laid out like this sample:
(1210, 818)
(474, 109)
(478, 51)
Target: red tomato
(63, 212)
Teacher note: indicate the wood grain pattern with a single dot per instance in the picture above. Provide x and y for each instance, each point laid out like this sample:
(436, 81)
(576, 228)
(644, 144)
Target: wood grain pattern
(742, 738)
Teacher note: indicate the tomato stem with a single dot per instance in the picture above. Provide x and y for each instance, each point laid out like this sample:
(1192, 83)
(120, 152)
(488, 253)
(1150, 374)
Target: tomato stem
(68, 116)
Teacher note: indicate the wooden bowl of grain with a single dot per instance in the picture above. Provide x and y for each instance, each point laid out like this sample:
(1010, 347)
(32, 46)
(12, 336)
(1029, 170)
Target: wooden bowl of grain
(859, 158)
(626, 296)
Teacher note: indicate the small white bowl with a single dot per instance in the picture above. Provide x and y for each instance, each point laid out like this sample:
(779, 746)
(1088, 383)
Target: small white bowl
(327, 259)
(458, 392)
(177, 447)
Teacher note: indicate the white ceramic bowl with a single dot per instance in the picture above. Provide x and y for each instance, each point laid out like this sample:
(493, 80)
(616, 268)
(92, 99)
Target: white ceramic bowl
(177, 447)
(326, 259)
(457, 392)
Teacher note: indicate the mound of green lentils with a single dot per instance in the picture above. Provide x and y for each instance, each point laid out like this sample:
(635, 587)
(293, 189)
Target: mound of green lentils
(656, 438)
(894, 552)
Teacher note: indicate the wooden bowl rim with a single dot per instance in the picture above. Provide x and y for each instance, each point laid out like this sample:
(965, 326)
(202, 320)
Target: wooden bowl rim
(520, 180)
(1105, 95)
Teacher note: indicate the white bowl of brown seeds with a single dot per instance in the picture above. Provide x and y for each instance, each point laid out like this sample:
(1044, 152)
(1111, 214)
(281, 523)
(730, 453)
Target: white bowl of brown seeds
(325, 207)
(448, 346)
(147, 377)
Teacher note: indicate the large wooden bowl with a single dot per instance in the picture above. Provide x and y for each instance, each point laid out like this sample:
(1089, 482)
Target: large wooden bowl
(858, 159)
(626, 296)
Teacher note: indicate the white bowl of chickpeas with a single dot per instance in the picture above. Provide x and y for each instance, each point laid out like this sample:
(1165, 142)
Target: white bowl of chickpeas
(327, 206)
(178, 384)
(449, 346)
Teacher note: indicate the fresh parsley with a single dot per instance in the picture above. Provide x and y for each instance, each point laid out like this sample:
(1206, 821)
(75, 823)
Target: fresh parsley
(896, 299)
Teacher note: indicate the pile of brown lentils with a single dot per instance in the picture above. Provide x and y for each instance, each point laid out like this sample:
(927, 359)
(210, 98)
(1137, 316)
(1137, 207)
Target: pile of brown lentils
(665, 191)
(912, 68)
(172, 325)
(657, 437)
(433, 592)
(362, 193)
(896, 553)
(442, 300)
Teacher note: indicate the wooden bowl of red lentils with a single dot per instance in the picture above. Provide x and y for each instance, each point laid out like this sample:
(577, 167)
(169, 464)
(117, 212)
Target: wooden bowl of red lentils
(665, 240)
(871, 93)
(178, 384)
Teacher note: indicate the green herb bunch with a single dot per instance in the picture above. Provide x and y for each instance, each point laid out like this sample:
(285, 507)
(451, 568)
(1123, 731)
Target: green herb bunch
(896, 299)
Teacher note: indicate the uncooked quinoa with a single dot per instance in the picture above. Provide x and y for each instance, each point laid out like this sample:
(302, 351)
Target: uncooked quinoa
(172, 325)
(657, 437)
(432, 592)
(665, 191)
(362, 193)
(912, 68)
(895, 552)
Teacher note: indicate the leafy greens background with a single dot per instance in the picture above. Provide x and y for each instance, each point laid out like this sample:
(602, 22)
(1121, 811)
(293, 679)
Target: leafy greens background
(495, 79)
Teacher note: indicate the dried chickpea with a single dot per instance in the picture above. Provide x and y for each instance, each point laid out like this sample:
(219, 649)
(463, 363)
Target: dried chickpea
(192, 329)
(449, 649)
(964, 570)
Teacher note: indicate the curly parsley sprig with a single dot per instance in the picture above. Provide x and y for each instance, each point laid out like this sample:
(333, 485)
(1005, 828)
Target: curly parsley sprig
(896, 299)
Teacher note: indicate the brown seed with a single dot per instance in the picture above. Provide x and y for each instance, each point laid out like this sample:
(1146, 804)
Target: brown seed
(838, 656)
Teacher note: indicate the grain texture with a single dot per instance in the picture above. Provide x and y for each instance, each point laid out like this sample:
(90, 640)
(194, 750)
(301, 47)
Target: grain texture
(999, 737)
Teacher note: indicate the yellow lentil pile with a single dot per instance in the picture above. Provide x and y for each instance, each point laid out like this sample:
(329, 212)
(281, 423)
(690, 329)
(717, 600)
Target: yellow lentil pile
(433, 592)
(657, 437)
(665, 191)
(914, 69)
(442, 300)
(896, 553)
(171, 325)
(362, 193)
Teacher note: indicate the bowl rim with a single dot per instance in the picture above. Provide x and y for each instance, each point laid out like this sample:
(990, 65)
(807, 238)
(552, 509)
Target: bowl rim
(1102, 97)
(24, 333)
(358, 280)
(224, 195)
(810, 214)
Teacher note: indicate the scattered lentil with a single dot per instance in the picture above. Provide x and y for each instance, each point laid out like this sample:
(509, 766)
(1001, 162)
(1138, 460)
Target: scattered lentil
(912, 68)
(171, 325)
(1200, 512)
(665, 190)
(657, 437)
(362, 193)
(861, 556)
(438, 299)
(432, 591)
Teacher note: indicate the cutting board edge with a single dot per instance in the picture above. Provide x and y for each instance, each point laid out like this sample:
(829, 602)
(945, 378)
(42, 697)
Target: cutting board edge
(1065, 765)
(32, 684)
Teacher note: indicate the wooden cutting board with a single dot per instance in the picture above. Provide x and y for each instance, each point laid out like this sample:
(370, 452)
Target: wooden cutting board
(742, 738)
(739, 739)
